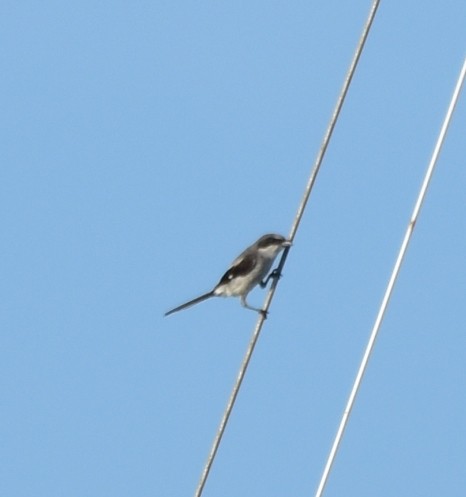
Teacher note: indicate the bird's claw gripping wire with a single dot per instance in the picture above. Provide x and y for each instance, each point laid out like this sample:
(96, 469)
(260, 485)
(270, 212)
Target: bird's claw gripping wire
(264, 313)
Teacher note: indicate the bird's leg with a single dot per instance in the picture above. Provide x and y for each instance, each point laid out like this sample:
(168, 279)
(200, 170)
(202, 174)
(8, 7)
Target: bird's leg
(273, 275)
(247, 306)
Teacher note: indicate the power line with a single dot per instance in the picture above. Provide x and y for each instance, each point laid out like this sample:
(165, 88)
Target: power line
(294, 228)
(391, 282)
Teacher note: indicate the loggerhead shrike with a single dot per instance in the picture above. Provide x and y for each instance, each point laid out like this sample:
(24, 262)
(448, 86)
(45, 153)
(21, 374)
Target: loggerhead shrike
(246, 271)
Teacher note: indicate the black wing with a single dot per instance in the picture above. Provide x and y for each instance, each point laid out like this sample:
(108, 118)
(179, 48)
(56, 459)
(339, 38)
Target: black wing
(240, 267)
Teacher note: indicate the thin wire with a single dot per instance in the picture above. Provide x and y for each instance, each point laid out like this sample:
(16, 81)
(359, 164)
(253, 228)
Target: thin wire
(391, 282)
(333, 120)
(296, 222)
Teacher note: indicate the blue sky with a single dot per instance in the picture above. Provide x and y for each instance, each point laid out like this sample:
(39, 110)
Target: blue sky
(144, 145)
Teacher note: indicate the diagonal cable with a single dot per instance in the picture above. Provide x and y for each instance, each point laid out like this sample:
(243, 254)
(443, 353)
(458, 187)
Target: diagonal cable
(294, 228)
(391, 282)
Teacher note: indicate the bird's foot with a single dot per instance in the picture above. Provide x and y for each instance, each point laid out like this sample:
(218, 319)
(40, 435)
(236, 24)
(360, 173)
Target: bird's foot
(263, 313)
(275, 275)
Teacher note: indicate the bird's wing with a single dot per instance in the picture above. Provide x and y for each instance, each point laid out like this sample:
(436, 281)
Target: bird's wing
(240, 267)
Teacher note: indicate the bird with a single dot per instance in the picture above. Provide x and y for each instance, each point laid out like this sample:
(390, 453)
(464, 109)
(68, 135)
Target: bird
(249, 269)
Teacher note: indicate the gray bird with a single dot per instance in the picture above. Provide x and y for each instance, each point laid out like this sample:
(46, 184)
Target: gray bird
(246, 271)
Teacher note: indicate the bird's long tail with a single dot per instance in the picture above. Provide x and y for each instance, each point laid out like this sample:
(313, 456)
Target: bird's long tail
(191, 302)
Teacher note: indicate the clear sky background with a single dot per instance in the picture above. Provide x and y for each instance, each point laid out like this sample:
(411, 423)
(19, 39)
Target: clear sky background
(144, 145)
